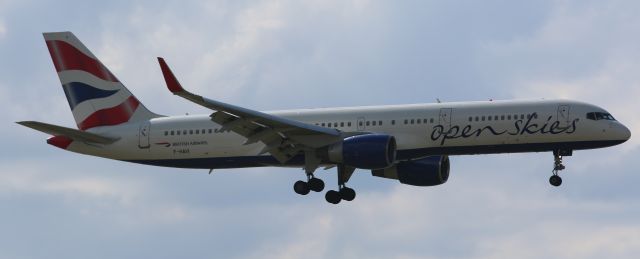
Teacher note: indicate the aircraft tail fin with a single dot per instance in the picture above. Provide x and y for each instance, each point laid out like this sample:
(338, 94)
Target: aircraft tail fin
(96, 97)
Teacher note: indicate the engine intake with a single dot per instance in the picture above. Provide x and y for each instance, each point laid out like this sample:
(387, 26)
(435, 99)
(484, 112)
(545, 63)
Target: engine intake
(371, 151)
(429, 171)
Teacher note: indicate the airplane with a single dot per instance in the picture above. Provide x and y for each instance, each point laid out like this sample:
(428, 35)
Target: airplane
(409, 143)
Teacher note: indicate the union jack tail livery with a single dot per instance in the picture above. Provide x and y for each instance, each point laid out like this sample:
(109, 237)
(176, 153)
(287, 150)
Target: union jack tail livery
(96, 97)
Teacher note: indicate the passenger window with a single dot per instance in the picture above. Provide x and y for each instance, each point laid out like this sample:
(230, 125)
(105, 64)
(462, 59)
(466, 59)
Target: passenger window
(172, 133)
(373, 123)
(508, 117)
(470, 119)
(477, 118)
(348, 124)
(412, 121)
(522, 116)
(393, 122)
(489, 118)
(406, 122)
(335, 124)
(368, 123)
(197, 131)
(379, 123)
(341, 124)
(210, 131)
(360, 123)
(502, 117)
(431, 120)
(483, 118)
(166, 133)
(178, 133)
(418, 121)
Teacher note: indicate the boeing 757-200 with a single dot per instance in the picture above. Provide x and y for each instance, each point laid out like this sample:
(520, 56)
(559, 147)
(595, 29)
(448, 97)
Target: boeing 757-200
(410, 143)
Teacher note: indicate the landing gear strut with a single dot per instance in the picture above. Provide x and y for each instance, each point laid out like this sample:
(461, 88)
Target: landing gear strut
(344, 192)
(555, 179)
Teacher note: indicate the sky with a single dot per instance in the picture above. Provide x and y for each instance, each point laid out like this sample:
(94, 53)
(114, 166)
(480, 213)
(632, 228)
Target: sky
(284, 54)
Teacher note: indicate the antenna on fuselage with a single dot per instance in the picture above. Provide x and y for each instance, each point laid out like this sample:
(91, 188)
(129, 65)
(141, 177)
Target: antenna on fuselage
(438, 100)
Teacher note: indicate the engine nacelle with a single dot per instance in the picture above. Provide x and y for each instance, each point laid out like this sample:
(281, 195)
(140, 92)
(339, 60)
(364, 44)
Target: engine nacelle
(429, 171)
(371, 151)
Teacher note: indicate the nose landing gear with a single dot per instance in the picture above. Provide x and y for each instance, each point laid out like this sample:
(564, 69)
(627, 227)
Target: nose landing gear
(555, 179)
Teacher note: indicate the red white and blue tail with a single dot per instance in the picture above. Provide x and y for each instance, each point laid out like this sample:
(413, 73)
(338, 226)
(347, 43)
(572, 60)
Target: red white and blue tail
(96, 97)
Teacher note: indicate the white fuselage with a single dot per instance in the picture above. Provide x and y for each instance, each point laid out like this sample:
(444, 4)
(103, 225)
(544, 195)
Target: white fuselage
(195, 141)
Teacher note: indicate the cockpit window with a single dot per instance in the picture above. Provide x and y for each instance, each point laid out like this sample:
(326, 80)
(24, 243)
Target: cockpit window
(600, 116)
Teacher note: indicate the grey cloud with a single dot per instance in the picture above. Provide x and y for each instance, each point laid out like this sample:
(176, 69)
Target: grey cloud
(287, 54)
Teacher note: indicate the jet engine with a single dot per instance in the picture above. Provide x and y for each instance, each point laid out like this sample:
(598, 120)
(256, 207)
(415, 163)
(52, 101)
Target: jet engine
(371, 151)
(428, 171)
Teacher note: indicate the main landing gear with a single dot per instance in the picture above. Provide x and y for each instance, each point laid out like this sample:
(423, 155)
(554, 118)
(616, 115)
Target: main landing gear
(555, 179)
(343, 192)
(312, 184)
(332, 196)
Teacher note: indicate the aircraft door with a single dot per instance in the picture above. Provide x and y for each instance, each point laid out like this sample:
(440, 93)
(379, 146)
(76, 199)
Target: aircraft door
(143, 135)
(361, 123)
(563, 115)
(445, 118)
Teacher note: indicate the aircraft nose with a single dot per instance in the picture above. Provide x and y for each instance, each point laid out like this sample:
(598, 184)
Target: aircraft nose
(624, 132)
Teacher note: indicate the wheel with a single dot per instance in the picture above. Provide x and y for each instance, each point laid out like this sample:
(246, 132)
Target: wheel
(332, 197)
(347, 194)
(301, 187)
(555, 180)
(316, 185)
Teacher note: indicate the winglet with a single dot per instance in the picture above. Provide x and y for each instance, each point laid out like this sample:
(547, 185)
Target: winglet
(172, 83)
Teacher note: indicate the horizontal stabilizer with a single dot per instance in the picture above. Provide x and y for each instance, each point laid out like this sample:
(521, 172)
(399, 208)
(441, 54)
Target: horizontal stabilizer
(73, 134)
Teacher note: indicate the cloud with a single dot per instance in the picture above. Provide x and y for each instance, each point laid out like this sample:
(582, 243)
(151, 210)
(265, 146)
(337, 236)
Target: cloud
(24, 178)
(3, 29)
(289, 54)
(446, 221)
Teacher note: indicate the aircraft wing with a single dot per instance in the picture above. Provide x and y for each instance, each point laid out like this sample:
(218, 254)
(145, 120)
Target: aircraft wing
(74, 134)
(283, 137)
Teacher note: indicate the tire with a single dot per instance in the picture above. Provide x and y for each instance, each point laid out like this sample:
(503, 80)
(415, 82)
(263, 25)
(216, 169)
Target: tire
(301, 187)
(347, 194)
(555, 180)
(332, 197)
(316, 185)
